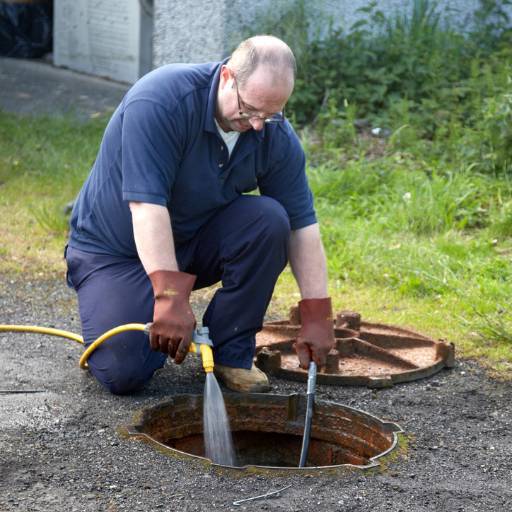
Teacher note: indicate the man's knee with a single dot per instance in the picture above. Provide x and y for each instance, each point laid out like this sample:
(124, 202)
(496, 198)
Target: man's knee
(273, 218)
(120, 383)
(124, 372)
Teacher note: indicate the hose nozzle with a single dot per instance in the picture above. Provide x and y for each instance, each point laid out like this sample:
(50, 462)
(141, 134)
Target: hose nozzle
(202, 345)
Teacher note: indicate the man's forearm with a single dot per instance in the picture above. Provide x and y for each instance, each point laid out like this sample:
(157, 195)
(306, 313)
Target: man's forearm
(153, 236)
(307, 259)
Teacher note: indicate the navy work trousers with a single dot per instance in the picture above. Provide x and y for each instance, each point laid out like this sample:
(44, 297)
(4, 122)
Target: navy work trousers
(244, 246)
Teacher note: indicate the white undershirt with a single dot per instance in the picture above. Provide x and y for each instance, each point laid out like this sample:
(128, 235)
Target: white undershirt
(229, 138)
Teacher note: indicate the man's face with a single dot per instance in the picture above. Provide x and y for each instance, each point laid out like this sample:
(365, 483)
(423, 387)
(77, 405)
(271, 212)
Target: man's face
(260, 96)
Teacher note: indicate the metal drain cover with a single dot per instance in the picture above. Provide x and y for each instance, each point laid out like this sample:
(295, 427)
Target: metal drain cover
(366, 354)
(267, 433)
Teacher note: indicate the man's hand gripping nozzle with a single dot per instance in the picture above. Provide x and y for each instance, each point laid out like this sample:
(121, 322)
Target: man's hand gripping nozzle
(201, 345)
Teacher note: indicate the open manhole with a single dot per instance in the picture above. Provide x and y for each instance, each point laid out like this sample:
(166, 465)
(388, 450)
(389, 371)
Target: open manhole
(367, 354)
(267, 432)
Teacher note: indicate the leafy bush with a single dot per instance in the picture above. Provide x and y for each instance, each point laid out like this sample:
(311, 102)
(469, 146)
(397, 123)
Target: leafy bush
(490, 138)
(418, 58)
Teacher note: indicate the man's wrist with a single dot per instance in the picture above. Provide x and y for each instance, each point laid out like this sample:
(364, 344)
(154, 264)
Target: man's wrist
(170, 283)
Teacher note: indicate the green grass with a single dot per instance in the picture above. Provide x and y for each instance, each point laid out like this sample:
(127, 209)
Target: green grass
(43, 162)
(419, 250)
(409, 242)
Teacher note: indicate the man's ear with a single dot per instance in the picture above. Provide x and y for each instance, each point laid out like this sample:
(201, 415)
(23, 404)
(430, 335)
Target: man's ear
(225, 75)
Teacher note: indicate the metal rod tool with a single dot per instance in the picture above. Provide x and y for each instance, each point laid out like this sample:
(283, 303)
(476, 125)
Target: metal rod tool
(309, 413)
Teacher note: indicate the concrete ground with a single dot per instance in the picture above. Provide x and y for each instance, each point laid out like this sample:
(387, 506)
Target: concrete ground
(35, 87)
(60, 449)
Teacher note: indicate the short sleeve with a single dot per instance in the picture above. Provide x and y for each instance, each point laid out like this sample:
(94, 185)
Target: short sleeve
(151, 152)
(285, 179)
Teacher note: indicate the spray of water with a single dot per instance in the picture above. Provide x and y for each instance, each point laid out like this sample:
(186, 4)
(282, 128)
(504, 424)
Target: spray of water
(217, 434)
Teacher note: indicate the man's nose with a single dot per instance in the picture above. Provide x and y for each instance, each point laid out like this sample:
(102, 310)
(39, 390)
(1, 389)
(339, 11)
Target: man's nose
(257, 124)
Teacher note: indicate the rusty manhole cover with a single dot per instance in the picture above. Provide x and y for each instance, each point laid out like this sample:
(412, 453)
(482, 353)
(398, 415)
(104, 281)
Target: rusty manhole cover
(369, 354)
(267, 432)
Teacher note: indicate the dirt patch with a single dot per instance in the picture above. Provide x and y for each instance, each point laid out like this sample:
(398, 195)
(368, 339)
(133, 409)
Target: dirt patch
(60, 450)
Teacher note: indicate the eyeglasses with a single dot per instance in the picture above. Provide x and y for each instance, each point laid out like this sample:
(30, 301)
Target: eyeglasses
(247, 113)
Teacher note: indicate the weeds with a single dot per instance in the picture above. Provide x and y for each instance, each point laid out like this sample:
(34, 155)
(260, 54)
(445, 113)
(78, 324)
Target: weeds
(415, 73)
(50, 218)
(494, 328)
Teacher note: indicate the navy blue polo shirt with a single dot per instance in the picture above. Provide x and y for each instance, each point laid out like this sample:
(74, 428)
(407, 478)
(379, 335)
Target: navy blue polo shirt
(161, 146)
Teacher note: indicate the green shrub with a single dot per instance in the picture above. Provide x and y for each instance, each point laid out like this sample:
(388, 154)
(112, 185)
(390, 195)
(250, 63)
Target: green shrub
(418, 56)
(489, 141)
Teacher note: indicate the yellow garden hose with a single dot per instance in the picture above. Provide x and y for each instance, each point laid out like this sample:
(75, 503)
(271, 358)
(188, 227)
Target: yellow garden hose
(205, 349)
(42, 330)
(105, 336)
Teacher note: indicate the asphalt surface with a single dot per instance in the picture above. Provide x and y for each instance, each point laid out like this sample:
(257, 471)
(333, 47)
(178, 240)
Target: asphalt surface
(60, 447)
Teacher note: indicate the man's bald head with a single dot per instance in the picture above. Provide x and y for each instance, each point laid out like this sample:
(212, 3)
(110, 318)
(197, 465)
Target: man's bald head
(268, 52)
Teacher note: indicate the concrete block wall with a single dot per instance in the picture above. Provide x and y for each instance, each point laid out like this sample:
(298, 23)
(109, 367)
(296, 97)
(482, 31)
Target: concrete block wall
(200, 30)
(108, 38)
(188, 31)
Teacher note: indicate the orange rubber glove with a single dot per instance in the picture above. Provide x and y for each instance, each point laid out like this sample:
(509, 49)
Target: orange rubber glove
(316, 336)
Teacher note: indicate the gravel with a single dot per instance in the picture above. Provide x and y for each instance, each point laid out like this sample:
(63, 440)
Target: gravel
(60, 449)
